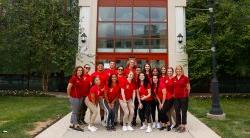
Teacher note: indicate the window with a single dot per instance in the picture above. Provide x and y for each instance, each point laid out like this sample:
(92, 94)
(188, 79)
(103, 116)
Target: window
(123, 14)
(106, 13)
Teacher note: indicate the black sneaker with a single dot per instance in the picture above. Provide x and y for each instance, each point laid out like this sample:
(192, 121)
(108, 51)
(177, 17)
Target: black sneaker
(121, 123)
(133, 123)
(168, 128)
(108, 128)
(162, 128)
(115, 123)
(113, 128)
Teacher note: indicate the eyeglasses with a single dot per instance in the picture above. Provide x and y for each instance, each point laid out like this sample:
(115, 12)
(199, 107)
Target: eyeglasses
(120, 69)
(87, 67)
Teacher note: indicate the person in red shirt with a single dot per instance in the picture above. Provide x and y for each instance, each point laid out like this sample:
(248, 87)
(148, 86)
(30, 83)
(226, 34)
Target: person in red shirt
(84, 89)
(181, 93)
(147, 71)
(92, 102)
(145, 100)
(111, 94)
(111, 69)
(121, 79)
(103, 78)
(126, 100)
(163, 75)
(75, 97)
(131, 66)
(136, 103)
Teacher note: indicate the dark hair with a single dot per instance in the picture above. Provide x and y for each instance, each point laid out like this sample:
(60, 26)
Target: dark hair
(74, 73)
(155, 68)
(110, 80)
(120, 67)
(98, 63)
(86, 65)
(153, 85)
(145, 81)
(93, 83)
(165, 68)
(144, 70)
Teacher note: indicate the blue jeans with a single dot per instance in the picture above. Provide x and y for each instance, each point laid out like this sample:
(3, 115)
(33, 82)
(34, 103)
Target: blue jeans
(75, 107)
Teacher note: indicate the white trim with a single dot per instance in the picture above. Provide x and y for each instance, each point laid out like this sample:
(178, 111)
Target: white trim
(105, 49)
(141, 50)
(159, 50)
(123, 50)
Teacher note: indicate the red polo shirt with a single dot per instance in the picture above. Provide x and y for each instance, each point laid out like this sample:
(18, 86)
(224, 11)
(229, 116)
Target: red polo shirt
(85, 85)
(170, 87)
(143, 91)
(108, 72)
(103, 77)
(112, 92)
(159, 91)
(128, 90)
(180, 86)
(75, 89)
(121, 80)
(96, 91)
(127, 70)
(163, 79)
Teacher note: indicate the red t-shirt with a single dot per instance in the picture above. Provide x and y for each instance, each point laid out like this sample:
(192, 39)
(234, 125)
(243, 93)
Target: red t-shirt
(170, 87)
(103, 78)
(144, 91)
(75, 89)
(158, 91)
(127, 70)
(112, 92)
(85, 85)
(180, 86)
(128, 90)
(163, 79)
(121, 80)
(96, 91)
(108, 72)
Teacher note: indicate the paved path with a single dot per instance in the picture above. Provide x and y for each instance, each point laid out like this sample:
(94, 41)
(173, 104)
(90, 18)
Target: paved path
(196, 129)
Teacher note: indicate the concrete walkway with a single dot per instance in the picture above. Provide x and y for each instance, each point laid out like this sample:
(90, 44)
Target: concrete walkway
(196, 129)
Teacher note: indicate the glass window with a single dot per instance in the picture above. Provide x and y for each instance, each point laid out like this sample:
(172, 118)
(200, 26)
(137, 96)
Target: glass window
(123, 43)
(123, 30)
(141, 30)
(158, 14)
(157, 63)
(141, 44)
(106, 13)
(105, 43)
(141, 14)
(106, 30)
(123, 14)
(159, 44)
(158, 30)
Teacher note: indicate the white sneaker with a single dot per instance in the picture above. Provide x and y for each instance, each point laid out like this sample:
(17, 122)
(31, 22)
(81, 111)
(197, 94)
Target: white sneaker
(149, 129)
(91, 128)
(158, 125)
(154, 125)
(104, 123)
(130, 128)
(124, 128)
(143, 126)
(94, 127)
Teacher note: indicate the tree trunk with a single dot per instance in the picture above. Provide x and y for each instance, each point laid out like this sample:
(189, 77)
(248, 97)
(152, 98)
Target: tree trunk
(45, 81)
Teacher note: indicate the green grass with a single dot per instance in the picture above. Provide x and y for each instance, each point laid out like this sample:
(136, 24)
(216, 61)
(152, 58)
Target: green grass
(237, 122)
(18, 114)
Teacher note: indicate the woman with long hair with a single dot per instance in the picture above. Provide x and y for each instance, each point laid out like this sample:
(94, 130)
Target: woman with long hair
(126, 101)
(92, 102)
(145, 100)
(75, 96)
(111, 94)
(181, 94)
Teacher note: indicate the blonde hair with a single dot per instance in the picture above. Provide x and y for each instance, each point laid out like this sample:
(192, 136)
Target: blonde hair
(179, 66)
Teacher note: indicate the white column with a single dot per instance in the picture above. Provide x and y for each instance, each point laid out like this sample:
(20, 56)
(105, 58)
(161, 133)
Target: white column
(87, 24)
(176, 24)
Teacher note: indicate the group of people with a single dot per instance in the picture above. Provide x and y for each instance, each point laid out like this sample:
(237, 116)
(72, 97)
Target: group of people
(131, 90)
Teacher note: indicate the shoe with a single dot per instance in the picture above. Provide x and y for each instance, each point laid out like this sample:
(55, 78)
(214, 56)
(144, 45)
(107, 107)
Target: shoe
(130, 128)
(115, 123)
(77, 128)
(91, 128)
(149, 129)
(121, 123)
(169, 128)
(162, 128)
(133, 123)
(124, 128)
(154, 125)
(158, 125)
(104, 123)
(113, 128)
(108, 128)
(181, 129)
(143, 127)
(82, 122)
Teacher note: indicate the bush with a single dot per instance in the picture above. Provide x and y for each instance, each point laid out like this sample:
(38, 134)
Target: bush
(24, 93)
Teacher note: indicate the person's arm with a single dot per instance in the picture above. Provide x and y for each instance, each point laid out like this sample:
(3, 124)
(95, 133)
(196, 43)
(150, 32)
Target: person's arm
(106, 96)
(133, 98)
(149, 94)
(123, 95)
(69, 89)
(164, 93)
(188, 88)
(139, 99)
(92, 95)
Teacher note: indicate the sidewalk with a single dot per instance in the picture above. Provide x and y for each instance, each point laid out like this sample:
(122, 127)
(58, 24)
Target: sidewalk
(196, 129)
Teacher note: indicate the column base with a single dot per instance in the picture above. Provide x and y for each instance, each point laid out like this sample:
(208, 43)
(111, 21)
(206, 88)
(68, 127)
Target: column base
(216, 117)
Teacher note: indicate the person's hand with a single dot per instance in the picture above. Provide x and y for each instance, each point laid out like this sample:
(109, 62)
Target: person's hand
(111, 106)
(160, 106)
(143, 97)
(140, 106)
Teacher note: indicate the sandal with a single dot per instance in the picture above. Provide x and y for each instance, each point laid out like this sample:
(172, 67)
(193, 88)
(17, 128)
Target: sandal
(77, 128)
(182, 129)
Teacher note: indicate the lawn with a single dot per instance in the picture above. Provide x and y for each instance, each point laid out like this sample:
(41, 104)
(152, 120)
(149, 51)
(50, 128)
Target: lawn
(18, 114)
(237, 122)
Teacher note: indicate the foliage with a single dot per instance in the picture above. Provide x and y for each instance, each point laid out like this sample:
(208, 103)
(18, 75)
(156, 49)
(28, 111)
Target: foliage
(38, 37)
(232, 25)
(24, 93)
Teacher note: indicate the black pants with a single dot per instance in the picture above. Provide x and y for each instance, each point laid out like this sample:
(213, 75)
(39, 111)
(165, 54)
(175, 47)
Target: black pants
(163, 118)
(136, 103)
(145, 112)
(82, 111)
(154, 105)
(110, 112)
(181, 106)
